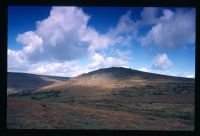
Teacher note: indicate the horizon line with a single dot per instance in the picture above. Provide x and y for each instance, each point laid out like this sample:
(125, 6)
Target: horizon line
(97, 70)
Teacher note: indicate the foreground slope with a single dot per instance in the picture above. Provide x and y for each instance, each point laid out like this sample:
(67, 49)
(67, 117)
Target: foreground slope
(111, 98)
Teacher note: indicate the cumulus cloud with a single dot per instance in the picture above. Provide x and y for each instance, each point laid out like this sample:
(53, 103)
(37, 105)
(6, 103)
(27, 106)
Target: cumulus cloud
(100, 61)
(173, 29)
(144, 69)
(66, 68)
(122, 34)
(149, 16)
(126, 54)
(32, 45)
(59, 68)
(64, 37)
(125, 25)
(57, 37)
(97, 60)
(161, 61)
(16, 61)
(95, 40)
(31, 41)
(112, 61)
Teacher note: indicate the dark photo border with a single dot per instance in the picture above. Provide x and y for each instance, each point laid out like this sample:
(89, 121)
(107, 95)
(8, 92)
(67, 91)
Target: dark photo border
(114, 3)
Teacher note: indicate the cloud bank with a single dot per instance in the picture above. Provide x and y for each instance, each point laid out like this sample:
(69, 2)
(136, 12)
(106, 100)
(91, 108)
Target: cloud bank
(172, 30)
(60, 40)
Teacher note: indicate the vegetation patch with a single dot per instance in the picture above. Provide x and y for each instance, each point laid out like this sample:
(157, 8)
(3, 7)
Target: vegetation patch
(41, 95)
(182, 115)
(75, 119)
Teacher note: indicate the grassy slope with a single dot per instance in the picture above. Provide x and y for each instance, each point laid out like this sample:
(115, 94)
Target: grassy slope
(106, 100)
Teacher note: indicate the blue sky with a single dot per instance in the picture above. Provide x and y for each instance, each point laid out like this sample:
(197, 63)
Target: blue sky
(68, 41)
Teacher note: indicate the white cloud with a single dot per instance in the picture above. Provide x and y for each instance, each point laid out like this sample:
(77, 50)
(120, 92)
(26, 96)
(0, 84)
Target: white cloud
(126, 54)
(176, 73)
(111, 62)
(31, 41)
(96, 41)
(125, 25)
(172, 30)
(97, 60)
(16, 61)
(161, 61)
(32, 44)
(57, 37)
(167, 15)
(148, 16)
(122, 34)
(144, 69)
(100, 61)
(66, 68)
(66, 34)
(190, 76)
(55, 68)
(63, 38)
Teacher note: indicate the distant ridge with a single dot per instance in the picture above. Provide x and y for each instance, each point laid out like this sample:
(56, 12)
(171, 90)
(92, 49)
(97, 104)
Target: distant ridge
(17, 82)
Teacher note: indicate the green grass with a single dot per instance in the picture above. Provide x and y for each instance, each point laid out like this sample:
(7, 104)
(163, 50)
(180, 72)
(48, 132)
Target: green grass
(182, 115)
(76, 118)
(39, 96)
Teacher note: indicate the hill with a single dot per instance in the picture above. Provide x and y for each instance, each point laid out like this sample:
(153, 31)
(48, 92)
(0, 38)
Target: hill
(126, 73)
(117, 78)
(17, 82)
(110, 98)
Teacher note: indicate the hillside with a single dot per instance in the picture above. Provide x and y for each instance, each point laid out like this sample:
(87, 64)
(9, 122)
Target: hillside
(116, 78)
(18, 82)
(110, 98)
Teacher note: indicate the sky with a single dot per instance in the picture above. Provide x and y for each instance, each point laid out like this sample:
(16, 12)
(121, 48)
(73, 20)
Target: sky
(69, 41)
